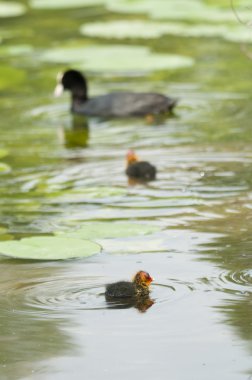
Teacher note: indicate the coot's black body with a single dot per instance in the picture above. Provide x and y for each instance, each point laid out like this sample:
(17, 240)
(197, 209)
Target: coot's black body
(121, 289)
(118, 104)
(141, 170)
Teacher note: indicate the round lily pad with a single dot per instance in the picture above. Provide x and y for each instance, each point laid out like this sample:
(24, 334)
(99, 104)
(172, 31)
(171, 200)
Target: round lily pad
(125, 58)
(11, 9)
(14, 50)
(49, 248)
(80, 195)
(192, 10)
(121, 29)
(63, 4)
(4, 168)
(100, 230)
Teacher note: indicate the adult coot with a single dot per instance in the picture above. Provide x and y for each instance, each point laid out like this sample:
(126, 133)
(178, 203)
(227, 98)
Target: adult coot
(117, 104)
(139, 287)
(140, 170)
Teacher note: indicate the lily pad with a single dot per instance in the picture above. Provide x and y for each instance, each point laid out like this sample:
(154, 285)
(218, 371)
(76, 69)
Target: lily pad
(192, 10)
(121, 29)
(80, 195)
(4, 168)
(10, 77)
(101, 230)
(63, 4)
(116, 58)
(49, 248)
(11, 9)
(16, 50)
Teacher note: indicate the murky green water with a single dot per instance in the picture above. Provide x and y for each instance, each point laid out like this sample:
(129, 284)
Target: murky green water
(61, 172)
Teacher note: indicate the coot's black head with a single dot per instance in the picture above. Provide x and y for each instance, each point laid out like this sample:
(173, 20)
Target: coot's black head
(73, 81)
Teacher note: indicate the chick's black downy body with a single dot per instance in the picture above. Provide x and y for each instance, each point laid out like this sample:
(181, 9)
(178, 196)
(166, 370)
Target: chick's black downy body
(125, 289)
(141, 170)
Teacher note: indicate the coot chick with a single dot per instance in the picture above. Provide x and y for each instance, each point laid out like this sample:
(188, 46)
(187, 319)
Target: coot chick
(140, 170)
(139, 287)
(117, 104)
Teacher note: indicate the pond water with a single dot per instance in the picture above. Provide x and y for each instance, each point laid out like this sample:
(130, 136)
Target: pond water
(60, 173)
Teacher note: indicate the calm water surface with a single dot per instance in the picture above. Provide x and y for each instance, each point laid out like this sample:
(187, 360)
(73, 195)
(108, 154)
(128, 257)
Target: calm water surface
(62, 171)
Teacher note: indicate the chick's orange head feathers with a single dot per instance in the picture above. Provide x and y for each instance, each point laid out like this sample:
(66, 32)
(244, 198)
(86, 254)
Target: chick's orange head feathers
(131, 157)
(143, 278)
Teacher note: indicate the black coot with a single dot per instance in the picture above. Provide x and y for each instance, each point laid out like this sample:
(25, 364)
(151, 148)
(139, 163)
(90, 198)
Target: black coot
(117, 104)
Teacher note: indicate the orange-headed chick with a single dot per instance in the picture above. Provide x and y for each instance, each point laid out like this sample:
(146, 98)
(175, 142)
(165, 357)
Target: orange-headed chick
(141, 170)
(125, 289)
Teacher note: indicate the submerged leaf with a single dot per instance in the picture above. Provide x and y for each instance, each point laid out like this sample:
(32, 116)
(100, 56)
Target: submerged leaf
(49, 248)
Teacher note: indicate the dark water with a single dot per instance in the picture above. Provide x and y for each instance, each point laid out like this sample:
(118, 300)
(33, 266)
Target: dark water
(61, 171)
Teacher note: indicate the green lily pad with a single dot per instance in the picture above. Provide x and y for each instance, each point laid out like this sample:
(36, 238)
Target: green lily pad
(134, 245)
(49, 248)
(3, 152)
(10, 77)
(80, 195)
(101, 230)
(11, 9)
(116, 58)
(63, 4)
(192, 10)
(4, 168)
(121, 29)
(16, 50)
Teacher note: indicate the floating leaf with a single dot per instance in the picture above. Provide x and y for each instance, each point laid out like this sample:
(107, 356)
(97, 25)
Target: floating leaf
(63, 4)
(88, 193)
(49, 248)
(10, 76)
(100, 230)
(116, 58)
(192, 10)
(11, 9)
(134, 245)
(16, 50)
(125, 29)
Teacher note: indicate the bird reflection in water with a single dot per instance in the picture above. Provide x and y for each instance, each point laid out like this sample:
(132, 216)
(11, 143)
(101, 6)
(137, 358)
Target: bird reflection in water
(77, 136)
(140, 303)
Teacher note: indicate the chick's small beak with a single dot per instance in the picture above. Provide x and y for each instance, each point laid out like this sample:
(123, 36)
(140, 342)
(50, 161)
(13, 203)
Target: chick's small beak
(59, 89)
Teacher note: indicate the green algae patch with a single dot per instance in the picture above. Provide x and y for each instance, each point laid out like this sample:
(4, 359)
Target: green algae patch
(116, 58)
(10, 76)
(4, 168)
(3, 152)
(49, 248)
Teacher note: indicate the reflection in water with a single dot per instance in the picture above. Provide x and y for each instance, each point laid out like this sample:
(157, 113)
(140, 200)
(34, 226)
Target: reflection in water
(78, 135)
(140, 303)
